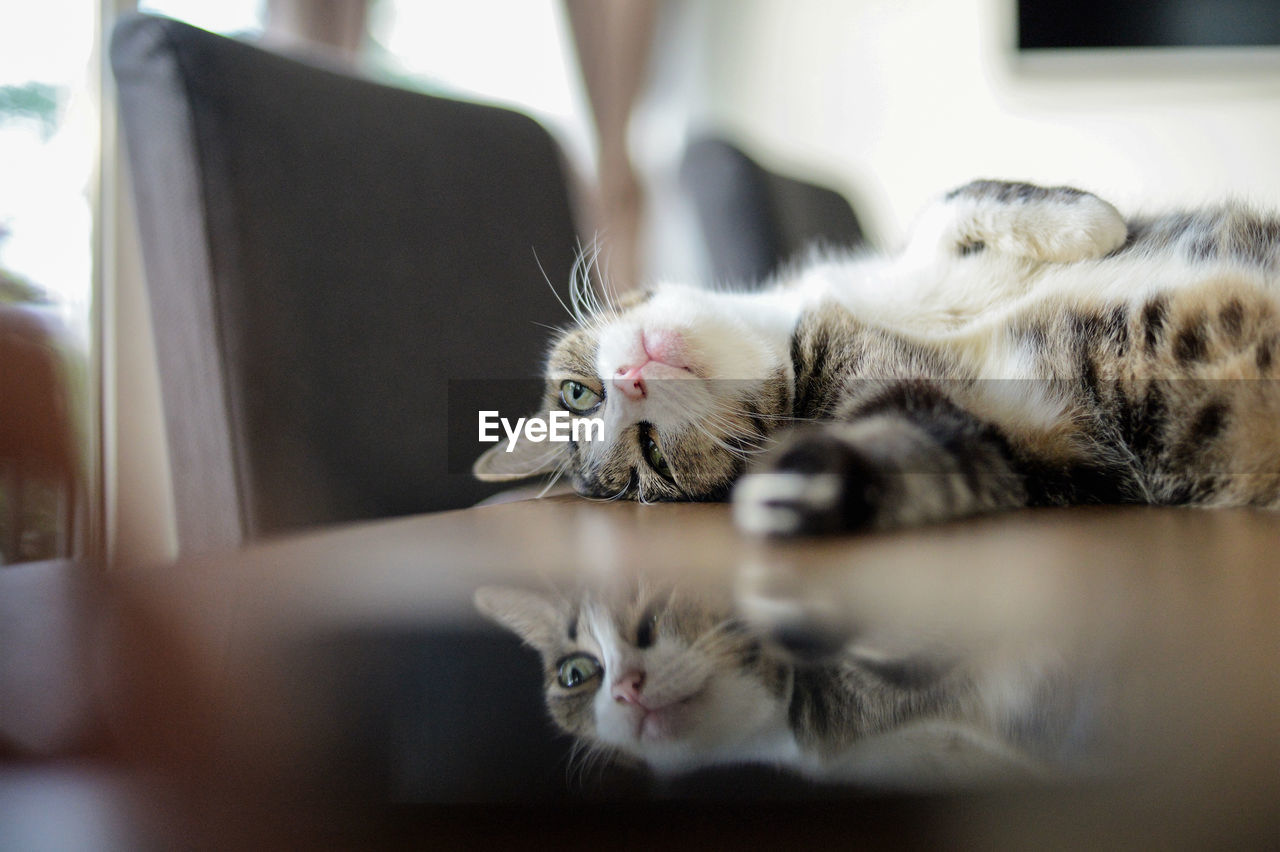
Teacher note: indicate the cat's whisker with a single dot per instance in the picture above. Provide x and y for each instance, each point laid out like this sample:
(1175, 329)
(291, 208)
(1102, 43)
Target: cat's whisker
(687, 396)
(687, 393)
(560, 471)
(720, 635)
(727, 406)
(605, 303)
(738, 451)
(573, 760)
(741, 447)
(610, 295)
(590, 311)
(552, 287)
(594, 263)
(583, 290)
(778, 418)
(731, 420)
(585, 758)
(576, 274)
(622, 493)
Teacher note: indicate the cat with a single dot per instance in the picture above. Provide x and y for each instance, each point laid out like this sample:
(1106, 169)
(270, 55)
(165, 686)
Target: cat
(674, 679)
(1028, 347)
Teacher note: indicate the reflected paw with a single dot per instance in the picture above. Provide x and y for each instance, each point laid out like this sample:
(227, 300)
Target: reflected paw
(812, 485)
(799, 619)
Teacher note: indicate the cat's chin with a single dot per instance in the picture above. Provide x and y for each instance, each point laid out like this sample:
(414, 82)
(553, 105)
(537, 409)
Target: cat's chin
(642, 727)
(666, 724)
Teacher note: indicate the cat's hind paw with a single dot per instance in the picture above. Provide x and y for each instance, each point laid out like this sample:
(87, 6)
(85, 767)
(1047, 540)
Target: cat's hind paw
(814, 484)
(1056, 224)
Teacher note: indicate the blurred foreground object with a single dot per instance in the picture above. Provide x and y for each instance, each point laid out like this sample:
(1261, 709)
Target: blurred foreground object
(341, 682)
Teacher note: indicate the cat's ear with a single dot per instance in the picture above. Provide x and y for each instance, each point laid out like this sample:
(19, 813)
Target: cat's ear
(505, 462)
(533, 617)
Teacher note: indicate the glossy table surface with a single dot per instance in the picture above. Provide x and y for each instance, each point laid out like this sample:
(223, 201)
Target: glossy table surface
(1181, 607)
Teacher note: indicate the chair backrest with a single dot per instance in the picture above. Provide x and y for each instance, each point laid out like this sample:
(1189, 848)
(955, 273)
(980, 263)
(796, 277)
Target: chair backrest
(325, 258)
(754, 220)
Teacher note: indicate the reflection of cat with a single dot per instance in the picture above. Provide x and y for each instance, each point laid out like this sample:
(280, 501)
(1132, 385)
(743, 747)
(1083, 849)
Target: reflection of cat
(670, 679)
(1029, 347)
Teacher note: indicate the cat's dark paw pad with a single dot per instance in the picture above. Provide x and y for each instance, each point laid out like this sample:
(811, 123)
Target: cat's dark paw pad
(807, 642)
(812, 485)
(777, 503)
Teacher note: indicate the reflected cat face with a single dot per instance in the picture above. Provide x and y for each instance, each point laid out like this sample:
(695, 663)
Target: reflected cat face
(687, 389)
(661, 677)
(671, 680)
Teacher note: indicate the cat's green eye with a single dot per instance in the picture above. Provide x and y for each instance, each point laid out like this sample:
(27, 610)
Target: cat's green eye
(653, 455)
(578, 397)
(577, 669)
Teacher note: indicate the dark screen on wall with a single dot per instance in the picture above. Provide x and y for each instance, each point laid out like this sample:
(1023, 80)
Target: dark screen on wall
(1147, 23)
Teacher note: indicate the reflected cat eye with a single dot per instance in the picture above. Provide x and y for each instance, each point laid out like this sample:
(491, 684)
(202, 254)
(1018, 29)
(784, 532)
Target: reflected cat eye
(577, 669)
(578, 397)
(645, 630)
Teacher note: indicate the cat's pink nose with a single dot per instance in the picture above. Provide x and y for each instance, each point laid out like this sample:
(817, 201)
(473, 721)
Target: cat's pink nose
(626, 689)
(630, 383)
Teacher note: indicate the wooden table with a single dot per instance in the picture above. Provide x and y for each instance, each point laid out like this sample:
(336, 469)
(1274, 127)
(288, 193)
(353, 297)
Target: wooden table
(271, 675)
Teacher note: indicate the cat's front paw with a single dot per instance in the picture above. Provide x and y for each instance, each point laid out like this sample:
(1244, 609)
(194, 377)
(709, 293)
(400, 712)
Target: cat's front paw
(813, 484)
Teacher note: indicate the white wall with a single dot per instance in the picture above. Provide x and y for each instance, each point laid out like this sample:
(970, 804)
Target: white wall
(895, 100)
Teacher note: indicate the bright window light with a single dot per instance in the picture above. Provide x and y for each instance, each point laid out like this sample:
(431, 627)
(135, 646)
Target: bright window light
(48, 148)
(517, 53)
(228, 17)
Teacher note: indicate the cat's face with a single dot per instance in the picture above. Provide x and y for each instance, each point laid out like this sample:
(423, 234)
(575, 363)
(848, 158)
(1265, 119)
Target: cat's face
(662, 677)
(687, 390)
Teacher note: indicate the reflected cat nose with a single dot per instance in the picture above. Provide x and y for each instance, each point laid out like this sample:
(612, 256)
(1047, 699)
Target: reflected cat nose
(626, 689)
(629, 382)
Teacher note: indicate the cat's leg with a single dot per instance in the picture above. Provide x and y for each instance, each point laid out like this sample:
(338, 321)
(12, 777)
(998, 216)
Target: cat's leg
(1058, 224)
(910, 457)
(1231, 231)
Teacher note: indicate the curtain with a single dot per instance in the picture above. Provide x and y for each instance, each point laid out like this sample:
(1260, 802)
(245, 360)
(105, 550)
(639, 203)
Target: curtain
(613, 39)
(338, 25)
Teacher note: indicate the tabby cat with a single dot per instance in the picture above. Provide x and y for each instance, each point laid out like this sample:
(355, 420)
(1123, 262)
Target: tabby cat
(1028, 347)
(674, 680)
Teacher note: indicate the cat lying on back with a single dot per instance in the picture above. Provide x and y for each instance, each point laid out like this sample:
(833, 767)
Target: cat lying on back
(1029, 347)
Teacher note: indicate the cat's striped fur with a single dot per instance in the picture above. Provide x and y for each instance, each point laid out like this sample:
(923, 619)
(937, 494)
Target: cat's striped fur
(1028, 347)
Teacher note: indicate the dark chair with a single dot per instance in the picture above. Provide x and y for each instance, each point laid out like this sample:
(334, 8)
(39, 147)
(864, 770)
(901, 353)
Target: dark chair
(754, 220)
(334, 267)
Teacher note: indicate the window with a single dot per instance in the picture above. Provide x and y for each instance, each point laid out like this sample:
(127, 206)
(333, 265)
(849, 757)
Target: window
(48, 159)
(228, 17)
(468, 50)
